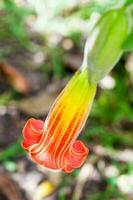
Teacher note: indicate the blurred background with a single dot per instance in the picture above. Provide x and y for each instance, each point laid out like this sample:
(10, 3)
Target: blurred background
(41, 46)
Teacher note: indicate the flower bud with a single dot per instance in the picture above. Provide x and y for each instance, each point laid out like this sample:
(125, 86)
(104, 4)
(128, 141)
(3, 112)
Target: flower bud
(103, 47)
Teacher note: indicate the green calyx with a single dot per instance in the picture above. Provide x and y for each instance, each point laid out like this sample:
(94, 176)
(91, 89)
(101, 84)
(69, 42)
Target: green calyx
(103, 47)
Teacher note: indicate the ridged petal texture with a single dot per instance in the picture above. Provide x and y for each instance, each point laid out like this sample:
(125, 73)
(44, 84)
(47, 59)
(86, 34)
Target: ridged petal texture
(53, 143)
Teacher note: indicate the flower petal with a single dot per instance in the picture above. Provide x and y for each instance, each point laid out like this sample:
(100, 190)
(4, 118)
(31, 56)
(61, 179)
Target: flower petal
(32, 132)
(53, 144)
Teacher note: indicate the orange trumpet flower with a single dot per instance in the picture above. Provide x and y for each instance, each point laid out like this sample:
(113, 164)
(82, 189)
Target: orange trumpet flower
(53, 143)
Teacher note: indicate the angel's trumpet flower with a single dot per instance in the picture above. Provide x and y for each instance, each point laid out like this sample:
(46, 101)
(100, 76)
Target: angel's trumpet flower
(53, 143)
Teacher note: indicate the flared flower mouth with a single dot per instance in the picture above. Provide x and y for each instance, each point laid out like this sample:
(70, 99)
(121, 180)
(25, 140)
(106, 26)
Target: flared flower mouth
(53, 143)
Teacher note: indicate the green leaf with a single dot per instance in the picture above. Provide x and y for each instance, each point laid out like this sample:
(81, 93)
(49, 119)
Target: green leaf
(128, 43)
(12, 151)
(129, 2)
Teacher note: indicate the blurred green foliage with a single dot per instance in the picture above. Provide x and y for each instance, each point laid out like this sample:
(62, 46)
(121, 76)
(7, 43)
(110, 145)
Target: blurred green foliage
(110, 193)
(11, 151)
(112, 106)
(13, 22)
(5, 98)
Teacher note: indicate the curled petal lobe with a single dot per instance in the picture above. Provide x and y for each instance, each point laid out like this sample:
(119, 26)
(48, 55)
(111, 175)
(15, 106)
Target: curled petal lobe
(32, 132)
(75, 156)
(53, 143)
